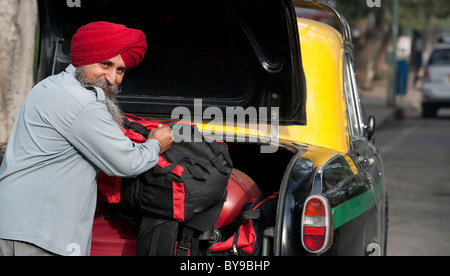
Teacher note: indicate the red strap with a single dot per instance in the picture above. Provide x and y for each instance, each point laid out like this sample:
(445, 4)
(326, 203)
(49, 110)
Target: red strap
(179, 195)
(178, 171)
(134, 136)
(245, 242)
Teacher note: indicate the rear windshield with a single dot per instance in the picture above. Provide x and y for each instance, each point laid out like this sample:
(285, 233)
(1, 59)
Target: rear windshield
(440, 57)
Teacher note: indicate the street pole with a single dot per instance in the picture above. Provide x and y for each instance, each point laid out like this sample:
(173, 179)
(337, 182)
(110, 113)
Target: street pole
(391, 100)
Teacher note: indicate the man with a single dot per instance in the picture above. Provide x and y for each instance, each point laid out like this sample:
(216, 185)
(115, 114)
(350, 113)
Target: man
(68, 130)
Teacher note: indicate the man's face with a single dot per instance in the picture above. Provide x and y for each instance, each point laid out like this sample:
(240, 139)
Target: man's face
(107, 75)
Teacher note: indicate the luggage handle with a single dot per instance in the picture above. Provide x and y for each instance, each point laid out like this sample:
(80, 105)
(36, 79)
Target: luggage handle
(137, 127)
(193, 169)
(196, 173)
(150, 176)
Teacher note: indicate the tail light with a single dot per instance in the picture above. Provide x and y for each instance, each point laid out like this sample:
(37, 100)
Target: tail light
(317, 225)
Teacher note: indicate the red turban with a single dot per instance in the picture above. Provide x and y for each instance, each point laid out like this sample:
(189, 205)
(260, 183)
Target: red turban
(100, 41)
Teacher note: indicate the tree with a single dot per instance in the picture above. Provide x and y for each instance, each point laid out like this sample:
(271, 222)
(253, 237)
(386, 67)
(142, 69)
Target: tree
(372, 37)
(17, 42)
(373, 27)
(429, 18)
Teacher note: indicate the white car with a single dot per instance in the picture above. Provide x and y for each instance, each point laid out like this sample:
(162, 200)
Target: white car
(436, 85)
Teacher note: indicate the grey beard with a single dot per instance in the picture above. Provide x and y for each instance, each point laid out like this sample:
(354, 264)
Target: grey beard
(114, 109)
(110, 97)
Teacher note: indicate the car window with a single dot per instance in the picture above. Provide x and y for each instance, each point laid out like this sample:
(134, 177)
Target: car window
(440, 57)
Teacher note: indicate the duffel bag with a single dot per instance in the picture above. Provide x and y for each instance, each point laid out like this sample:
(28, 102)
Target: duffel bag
(189, 178)
(181, 198)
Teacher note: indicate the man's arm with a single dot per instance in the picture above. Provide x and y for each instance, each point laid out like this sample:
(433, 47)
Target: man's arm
(99, 139)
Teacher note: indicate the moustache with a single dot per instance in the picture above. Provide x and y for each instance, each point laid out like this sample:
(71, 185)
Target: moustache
(110, 89)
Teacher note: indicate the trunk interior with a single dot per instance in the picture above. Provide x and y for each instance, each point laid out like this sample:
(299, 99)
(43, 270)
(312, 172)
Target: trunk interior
(266, 170)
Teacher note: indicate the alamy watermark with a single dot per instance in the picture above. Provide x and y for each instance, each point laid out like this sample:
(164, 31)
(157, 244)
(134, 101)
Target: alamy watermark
(73, 3)
(251, 120)
(374, 3)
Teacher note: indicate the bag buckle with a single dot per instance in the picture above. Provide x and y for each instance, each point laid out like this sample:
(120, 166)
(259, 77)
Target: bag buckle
(185, 246)
(186, 242)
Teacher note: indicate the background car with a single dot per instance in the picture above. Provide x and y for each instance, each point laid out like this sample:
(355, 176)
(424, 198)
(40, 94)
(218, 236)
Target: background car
(436, 85)
(256, 55)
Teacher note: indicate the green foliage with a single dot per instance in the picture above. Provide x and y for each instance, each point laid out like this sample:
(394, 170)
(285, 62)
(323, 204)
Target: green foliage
(354, 10)
(417, 14)
(420, 14)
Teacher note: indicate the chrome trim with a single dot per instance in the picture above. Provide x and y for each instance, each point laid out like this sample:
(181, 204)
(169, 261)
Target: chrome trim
(319, 5)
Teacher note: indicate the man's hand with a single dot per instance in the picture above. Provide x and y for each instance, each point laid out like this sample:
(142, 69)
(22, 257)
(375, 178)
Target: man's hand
(163, 134)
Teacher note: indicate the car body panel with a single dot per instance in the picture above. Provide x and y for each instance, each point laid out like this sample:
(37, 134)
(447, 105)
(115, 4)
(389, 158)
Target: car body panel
(356, 198)
(438, 84)
(322, 50)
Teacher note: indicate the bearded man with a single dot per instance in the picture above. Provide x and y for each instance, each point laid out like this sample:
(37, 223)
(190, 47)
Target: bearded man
(68, 130)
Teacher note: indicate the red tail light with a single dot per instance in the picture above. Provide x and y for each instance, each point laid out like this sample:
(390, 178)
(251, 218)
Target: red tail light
(316, 225)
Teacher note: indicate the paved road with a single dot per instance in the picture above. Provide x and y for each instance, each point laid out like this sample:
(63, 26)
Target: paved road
(416, 155)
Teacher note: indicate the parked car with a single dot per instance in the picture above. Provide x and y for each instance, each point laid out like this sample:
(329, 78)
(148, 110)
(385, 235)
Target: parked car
(436, 85)
(310, 139)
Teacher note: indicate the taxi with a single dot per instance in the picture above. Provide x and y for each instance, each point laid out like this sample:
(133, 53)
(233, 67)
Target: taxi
(279, 89)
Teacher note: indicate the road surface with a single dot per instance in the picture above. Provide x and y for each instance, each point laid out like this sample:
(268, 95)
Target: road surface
(416, 155)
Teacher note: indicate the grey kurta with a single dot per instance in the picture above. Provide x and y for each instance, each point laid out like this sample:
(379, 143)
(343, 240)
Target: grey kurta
(62, 137)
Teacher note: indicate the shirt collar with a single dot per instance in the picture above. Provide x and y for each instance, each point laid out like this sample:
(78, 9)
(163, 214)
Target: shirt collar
(100, 93)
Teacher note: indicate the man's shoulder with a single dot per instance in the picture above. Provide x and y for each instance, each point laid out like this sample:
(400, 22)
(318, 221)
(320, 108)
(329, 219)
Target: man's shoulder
(65, 82)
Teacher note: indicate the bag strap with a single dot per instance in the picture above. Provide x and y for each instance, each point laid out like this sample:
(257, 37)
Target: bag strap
(188, 242)
(217, 161)
(156, 237)
(147, 178)
(137, 127)
(196, 173)
(150, 176)
(194, 228)
(250, 214)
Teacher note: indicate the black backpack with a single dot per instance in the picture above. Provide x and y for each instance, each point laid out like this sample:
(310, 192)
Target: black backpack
(181, 198)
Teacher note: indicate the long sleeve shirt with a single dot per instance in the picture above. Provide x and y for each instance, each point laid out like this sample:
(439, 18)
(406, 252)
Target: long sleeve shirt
(62, 137)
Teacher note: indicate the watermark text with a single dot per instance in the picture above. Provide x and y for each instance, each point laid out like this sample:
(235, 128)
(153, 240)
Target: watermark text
(374, 3)
(73, 3)
(242, 125)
